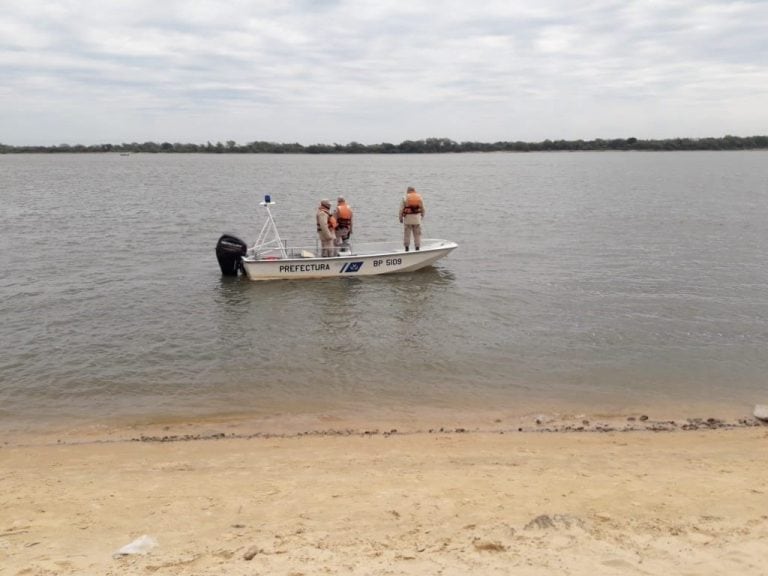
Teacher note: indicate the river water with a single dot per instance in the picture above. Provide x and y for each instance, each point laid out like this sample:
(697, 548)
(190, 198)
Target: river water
(594, 282)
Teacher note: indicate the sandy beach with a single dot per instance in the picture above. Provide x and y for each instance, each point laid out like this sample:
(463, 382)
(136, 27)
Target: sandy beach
(689, 501)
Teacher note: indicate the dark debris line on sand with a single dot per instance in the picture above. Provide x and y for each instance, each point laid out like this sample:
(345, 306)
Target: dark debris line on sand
(633, 424)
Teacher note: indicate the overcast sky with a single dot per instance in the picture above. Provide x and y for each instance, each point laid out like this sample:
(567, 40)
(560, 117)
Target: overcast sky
(112, 71)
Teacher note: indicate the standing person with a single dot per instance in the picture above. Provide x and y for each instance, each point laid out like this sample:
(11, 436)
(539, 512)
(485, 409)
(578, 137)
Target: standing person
(411, 213)
(326, 224)
(343, 215)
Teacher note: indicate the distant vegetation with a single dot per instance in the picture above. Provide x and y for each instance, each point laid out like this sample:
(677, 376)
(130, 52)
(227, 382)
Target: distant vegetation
(428, 146)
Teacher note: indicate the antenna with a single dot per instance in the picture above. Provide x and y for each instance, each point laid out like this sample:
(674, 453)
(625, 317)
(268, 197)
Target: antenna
(270, 228)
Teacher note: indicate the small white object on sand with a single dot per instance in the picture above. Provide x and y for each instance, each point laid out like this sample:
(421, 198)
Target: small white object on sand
(142, 545)
(761, 411)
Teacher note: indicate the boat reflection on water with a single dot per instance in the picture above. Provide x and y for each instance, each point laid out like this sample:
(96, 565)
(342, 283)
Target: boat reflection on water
(330, 316)
(237, 292)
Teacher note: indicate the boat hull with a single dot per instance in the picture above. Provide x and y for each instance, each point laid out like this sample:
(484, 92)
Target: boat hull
(354, 264)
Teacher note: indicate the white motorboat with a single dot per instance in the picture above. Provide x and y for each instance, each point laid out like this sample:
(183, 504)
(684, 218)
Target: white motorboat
(271, 258)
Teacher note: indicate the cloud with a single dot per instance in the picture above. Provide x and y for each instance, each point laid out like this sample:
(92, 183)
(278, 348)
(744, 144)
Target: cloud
(338, 71)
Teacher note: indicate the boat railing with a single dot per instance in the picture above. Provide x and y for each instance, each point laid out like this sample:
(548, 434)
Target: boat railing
(285, 250)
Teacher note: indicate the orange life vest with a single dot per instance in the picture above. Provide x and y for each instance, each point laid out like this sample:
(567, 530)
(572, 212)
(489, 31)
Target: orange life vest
(412, 203)
(331, 219)
(343, 215)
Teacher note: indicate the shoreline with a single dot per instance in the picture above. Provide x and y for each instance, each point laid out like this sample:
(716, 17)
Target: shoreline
(306, 416)
(243, 428)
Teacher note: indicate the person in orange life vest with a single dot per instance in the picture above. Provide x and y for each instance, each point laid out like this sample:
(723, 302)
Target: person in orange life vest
(343, 216)
(411, 213)
(326, 224)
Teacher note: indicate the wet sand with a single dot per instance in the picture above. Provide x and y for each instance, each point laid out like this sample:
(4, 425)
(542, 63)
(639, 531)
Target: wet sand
(548, 496)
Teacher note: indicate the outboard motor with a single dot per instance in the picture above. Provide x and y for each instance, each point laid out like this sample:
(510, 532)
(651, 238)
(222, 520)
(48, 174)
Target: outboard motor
(229, 250)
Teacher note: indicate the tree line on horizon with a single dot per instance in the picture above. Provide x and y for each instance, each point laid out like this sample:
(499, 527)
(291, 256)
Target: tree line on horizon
(426, 146)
